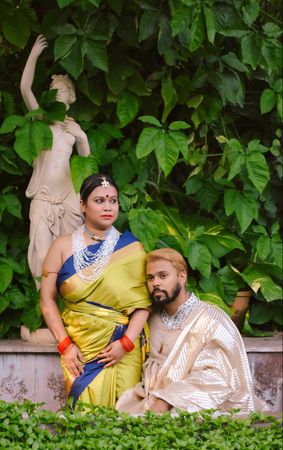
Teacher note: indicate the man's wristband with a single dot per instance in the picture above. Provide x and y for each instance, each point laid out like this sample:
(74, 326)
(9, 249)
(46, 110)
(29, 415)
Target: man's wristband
(63, 345)
(127, 344)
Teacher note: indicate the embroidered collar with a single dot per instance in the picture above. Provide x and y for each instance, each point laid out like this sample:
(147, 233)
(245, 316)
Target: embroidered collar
(171, 322)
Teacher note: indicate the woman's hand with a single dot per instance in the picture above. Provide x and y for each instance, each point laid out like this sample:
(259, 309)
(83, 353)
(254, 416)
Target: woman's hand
(112, 354)
(39, 45)
(73, 360)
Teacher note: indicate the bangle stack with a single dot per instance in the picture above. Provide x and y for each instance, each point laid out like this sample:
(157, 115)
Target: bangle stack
(127, 344)
(63, 345)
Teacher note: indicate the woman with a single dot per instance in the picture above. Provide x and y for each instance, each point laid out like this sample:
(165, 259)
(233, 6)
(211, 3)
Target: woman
(54, 209)
(100, 274)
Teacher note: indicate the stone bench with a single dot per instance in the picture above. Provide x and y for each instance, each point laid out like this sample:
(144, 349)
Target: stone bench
(29, 371)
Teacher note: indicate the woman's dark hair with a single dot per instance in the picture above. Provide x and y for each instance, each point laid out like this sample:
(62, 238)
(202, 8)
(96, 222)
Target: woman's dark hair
(94, 181)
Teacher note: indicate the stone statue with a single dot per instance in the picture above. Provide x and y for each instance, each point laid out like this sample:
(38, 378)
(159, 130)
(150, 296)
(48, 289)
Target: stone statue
(54, 208)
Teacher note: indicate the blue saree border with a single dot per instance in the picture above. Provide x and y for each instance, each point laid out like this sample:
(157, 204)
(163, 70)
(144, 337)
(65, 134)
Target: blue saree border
(67, 270)
(92, 369)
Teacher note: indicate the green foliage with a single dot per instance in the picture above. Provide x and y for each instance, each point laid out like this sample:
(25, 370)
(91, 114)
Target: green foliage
(27, 425)
(182, 102)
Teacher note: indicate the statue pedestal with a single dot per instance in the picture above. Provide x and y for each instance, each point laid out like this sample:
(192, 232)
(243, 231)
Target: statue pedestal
(40, 336)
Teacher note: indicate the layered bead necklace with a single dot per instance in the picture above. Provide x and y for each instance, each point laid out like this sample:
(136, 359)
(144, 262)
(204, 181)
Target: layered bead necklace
(90, 265)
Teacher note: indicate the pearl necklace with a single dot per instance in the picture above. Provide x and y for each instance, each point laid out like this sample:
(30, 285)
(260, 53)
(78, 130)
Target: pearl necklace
(171, 322)
(84, 259)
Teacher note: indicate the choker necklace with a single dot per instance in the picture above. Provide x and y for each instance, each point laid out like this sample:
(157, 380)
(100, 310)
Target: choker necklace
(93, 236)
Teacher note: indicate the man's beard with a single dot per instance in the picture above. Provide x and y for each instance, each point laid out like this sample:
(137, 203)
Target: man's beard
(166, 299)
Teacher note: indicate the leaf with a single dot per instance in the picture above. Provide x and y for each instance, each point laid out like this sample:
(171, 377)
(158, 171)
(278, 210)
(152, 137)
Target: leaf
(31, 139)
(267, 101)
(169, 96)
(250, 50)
(180, 20)
(165, 42)
(260, 313)
(6, 275)
(193, 184)
(245, 207)
(251, 12)
(236, 166)
(229, 86)
(272, 54)
(13, 205)
(63, 45)
(178, 125)
(82, 167)
(146, 142)
(210, 23)
(145, 225)
(257, 279)
(73, 61)
(137, 85)
(15, 298)
(148, 25)
(150, 119)
(31, 316)
(263, 247)
(197, 33)
(63, 3)
(166, 151)
(231, 60)
(96, 53)
(10, 123)
(16, 28)
(258, 170)
(181, 141)
(199, 257)
(127, 108)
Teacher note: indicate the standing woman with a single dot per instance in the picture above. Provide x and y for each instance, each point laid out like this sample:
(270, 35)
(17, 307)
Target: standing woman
(54, 209)
(100, 274)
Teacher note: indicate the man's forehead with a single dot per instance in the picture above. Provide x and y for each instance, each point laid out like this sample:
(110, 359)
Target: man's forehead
(160, 265)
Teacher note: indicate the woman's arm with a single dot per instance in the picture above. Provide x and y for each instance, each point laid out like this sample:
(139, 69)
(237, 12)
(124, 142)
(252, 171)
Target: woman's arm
(48, 301)
(114, 352)
(28, 73)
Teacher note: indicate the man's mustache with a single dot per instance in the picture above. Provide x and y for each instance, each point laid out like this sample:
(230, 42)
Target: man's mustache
(156, 290)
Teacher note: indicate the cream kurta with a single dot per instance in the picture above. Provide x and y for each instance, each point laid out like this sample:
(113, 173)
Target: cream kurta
(201, 364)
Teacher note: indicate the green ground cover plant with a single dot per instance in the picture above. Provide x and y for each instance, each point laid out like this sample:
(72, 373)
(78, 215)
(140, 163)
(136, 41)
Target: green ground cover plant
(182, 103)
(28, 426)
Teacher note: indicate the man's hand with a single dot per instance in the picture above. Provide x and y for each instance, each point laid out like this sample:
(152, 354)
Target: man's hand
(112, 354)
(160, 406)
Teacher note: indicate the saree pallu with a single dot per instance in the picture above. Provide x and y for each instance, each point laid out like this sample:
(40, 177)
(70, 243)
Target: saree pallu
(97, 312)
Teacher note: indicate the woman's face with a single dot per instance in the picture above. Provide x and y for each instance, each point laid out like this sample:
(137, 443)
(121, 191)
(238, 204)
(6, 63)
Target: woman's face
(101, 208)
(63, 93)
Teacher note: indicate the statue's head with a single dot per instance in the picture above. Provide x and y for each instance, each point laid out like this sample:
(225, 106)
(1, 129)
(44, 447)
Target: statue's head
(65, 89)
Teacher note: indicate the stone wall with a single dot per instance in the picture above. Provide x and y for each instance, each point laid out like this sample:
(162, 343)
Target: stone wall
(29, 371)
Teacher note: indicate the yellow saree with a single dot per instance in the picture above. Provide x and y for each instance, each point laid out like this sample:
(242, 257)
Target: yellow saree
(97, 312)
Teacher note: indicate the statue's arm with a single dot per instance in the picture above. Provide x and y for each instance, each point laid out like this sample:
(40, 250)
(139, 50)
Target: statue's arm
(28, 73)
(81, 142)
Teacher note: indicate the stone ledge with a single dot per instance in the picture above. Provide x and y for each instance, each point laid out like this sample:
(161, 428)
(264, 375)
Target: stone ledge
(271, 344)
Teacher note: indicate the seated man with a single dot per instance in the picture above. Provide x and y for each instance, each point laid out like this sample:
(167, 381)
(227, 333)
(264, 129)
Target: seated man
(197, 357)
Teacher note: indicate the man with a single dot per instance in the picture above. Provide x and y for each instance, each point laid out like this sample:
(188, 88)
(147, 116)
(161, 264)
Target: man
(197, 357)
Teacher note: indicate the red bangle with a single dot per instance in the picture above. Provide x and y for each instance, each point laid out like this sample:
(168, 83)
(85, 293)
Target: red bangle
(63, 345)
(127, 344)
